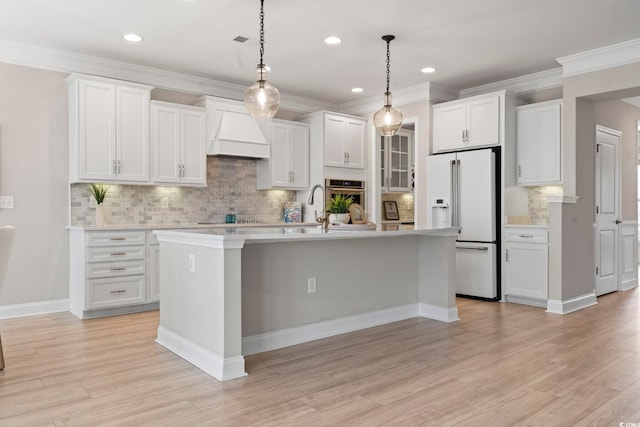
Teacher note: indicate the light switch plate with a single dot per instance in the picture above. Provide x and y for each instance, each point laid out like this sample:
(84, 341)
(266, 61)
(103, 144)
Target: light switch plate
(6, 202)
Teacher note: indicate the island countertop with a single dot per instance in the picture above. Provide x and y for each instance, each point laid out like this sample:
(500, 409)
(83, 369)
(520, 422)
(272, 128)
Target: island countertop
(226, 237)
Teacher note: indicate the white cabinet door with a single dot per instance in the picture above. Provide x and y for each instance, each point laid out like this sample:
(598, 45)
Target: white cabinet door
(132, 133)
(354, 144)
(288, 165)
(193, 147)
(299, 155)
(449, 125)
(539, 128)
(466, 124)
(334, 141)
(178, 144)
(483, 122)
(108, 130)
(154, 273)
(165, 137)
(280, 156)
(527, 270)
(96, 127)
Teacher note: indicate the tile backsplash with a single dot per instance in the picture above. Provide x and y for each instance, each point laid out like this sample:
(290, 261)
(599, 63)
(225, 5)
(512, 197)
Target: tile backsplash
(405, 204)
(231, 188)
(538, 204)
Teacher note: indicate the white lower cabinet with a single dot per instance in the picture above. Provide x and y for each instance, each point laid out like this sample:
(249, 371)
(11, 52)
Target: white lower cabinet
(154, 268)
(110, 273)
(527, 266)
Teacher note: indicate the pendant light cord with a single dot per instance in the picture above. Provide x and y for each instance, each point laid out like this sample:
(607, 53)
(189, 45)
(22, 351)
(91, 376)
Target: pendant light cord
(262, 39)
(388, 63)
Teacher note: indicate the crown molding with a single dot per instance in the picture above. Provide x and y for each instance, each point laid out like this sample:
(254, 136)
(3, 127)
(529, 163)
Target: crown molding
(423, 92)
(602, 58)
(524, 84)
(69, 62)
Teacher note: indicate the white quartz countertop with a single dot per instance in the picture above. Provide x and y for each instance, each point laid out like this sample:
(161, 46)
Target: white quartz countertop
(195, 226)
(236, 238)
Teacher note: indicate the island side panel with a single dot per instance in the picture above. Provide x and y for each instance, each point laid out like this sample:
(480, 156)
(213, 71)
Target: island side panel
(353, 276)
(437, 277)
(200, 310)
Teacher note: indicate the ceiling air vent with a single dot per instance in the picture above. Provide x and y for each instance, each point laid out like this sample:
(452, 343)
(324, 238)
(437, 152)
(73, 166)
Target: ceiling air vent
(240, 39)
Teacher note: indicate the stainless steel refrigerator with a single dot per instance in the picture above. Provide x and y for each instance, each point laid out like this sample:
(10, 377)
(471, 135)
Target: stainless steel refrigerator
(463, 191)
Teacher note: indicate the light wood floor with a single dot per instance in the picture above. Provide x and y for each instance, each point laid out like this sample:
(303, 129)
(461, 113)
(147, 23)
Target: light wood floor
(501, 365)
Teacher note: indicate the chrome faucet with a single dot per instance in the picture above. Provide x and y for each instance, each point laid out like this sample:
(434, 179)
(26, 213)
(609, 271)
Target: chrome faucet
(323, 218)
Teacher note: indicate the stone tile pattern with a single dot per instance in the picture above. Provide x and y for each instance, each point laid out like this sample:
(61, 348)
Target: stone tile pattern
(538, 205)
(405, 204)
(231, 188)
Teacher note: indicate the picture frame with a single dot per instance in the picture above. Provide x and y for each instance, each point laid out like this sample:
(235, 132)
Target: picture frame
(391, 210)
(357, 214)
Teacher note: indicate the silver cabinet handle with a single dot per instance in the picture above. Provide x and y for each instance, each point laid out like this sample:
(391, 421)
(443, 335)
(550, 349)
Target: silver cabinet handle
(118, 253)
(114, 167)
(507, 255)
(118, 166)
(519, 171)
(463, 135)
(118, 268)
(474, 248)
(526, 236)
(117, 238)
(467, 135)
(119, 291)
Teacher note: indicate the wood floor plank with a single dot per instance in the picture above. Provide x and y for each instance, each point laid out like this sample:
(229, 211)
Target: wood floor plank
(500, 365)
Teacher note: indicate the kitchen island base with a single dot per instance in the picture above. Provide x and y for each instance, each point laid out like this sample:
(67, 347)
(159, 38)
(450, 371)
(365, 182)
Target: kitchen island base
(217, 289)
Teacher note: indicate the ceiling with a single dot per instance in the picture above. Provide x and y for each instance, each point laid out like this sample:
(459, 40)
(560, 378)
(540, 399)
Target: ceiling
(470, 42)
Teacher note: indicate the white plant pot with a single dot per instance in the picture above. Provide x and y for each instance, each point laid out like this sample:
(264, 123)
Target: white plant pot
(341, 218)
(100, 218)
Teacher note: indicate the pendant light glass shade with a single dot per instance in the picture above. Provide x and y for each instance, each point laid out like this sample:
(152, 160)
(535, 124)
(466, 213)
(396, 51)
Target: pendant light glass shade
(261, 98)
(387, 120)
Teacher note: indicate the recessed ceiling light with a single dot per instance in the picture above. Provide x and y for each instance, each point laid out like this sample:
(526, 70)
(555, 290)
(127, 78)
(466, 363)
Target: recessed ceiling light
(357, 90)
(333, 40)
(428, 70)
(132, 38)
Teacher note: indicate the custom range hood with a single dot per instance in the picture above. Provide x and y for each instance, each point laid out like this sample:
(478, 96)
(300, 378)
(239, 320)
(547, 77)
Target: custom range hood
(232, 131)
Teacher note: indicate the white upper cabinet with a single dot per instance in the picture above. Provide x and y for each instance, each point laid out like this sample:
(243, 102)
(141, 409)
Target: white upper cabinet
(343, 141)
(178, 144)
(108, 130)
(396, 162)
(539, 130)
(288, 164)
(463, 124)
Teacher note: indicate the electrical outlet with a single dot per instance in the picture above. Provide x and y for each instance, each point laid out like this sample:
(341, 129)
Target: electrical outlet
(192, 263)
(164, 202)
(92, 203)
(6, 202)
(311, 285)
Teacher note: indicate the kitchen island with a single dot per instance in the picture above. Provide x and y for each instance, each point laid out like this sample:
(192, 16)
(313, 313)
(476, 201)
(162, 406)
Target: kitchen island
(229, 293)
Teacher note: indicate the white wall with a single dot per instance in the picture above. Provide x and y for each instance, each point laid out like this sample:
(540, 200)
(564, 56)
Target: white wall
(34, 169)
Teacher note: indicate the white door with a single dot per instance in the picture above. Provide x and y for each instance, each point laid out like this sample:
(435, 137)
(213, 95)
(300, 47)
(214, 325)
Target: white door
(165, 134)
(475, 199)
(132, 133)
(354, 144)
(280, 156)
(483, 122)
(607, 208)
(194, 147)
(299, 142)
(334, 141)
(440, 195)
(449, 124)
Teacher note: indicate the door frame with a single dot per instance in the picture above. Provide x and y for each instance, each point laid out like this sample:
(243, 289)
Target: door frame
(617, 180)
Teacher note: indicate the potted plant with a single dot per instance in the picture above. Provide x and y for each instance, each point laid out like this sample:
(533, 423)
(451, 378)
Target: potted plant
(99, 192)
(338, 208)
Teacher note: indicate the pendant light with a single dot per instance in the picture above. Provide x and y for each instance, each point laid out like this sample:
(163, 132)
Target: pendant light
(261, 98)
(387, 120)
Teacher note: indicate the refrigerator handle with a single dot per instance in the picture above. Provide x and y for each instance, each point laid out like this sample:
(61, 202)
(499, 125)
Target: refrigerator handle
(457, 199)
(454, 191)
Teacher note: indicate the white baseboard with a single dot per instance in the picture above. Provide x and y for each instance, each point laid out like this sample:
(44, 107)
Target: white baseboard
(220, 368)
(629, 284)
(439, 313)
(301, 334)
(33, 308)
(571, 305)
(526, 301)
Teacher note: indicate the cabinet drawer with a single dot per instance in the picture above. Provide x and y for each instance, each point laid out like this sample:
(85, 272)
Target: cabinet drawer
(115, 253)
(105, 293)
(116, 238)
(113, 269)
(527, 235)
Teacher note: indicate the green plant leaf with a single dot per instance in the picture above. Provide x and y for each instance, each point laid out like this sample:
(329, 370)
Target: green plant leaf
(99, 192)
(339, 203)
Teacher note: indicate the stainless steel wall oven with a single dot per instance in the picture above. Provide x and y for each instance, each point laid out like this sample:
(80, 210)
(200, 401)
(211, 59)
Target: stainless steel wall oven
(349, 187)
